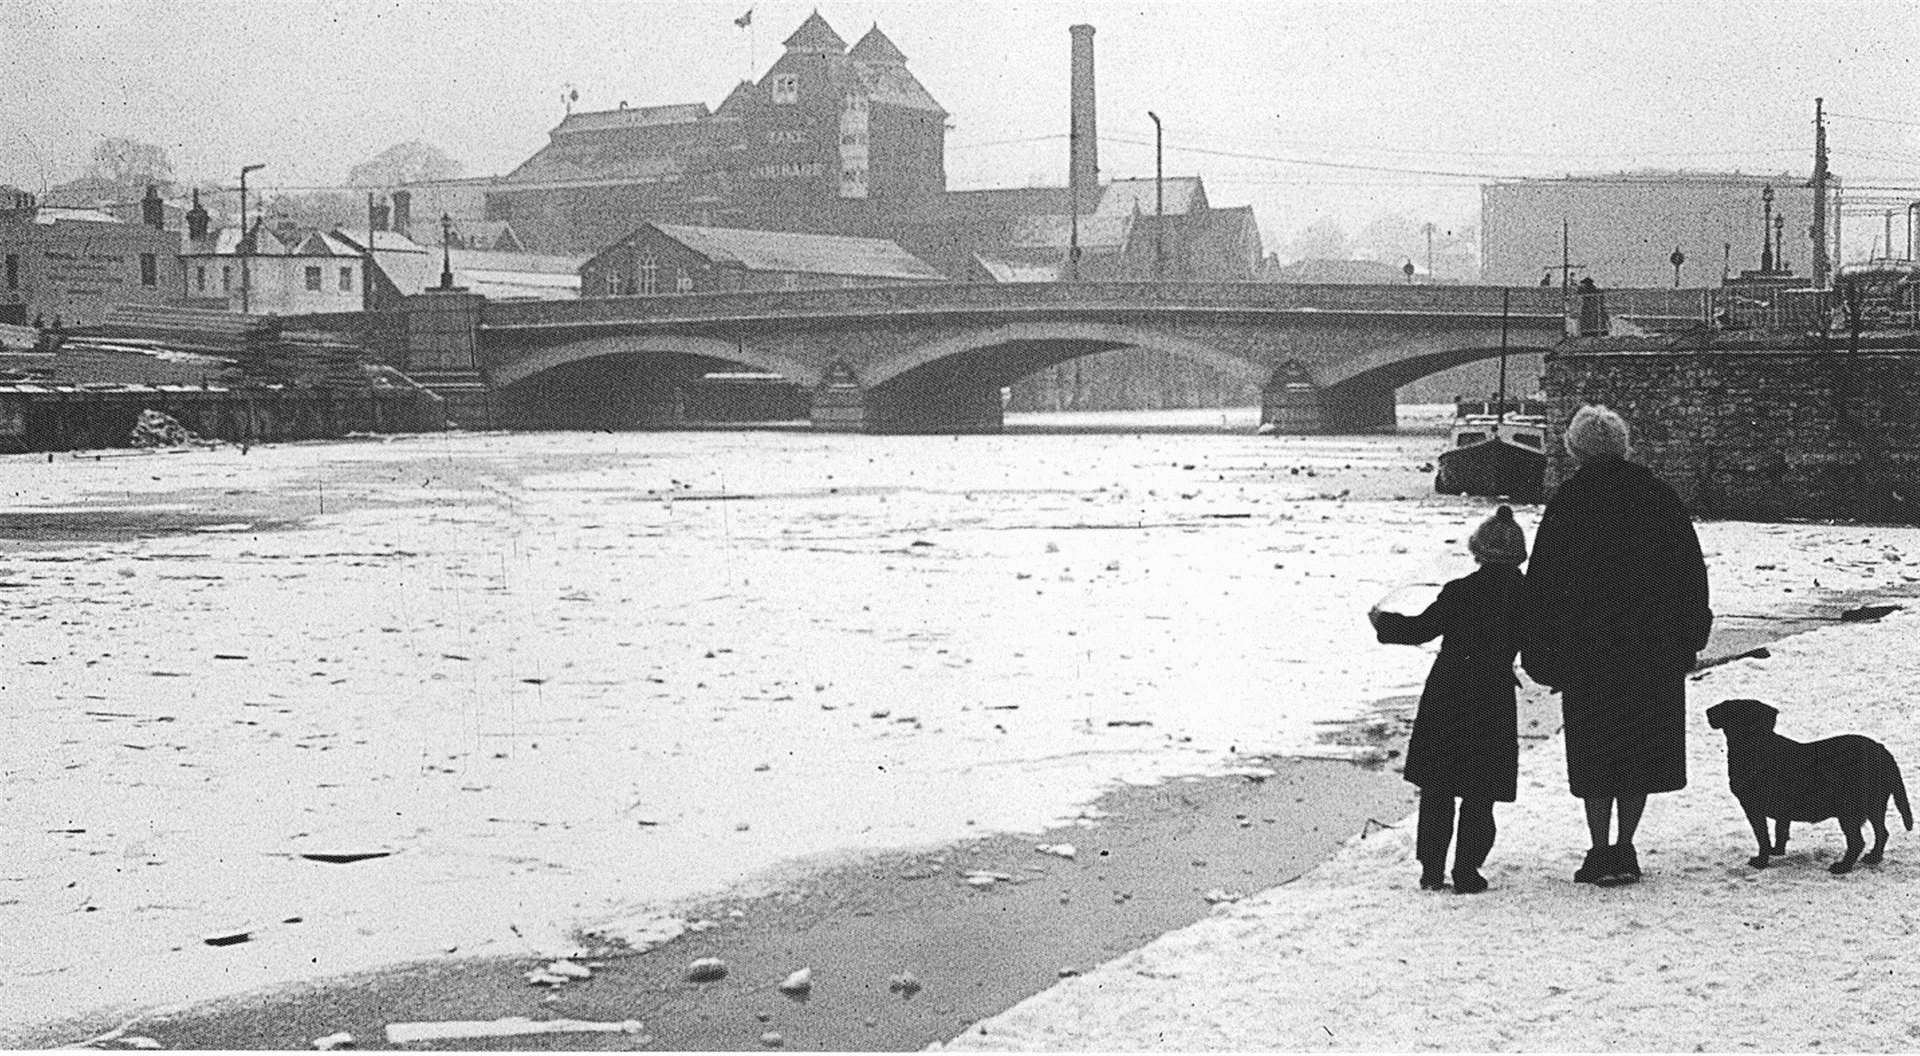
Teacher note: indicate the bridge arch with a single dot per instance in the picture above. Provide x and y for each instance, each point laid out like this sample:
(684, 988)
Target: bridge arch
(1069, 339)
(1393, 367)
(523, 364)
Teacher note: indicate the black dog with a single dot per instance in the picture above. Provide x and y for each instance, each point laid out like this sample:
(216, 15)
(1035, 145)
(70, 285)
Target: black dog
(1848, 778)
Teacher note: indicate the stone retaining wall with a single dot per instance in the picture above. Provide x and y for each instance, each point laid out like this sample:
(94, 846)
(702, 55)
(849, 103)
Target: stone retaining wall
(1761, 433)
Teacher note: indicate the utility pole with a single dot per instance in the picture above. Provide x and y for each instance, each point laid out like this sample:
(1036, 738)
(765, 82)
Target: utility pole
(1766, 229)
(1822, 266)
(244, 246)
(1159, 205)
(366, 266)
(446, 252)
(1429, 251)
(1566, 269)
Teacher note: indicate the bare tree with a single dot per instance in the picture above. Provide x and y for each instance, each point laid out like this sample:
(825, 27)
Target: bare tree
(1323, 239)
(409, 162)
(120, 171)
(131, 163)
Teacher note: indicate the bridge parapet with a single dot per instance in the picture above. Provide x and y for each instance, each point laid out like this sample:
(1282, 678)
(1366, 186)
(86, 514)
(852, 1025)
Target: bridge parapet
(872, 301)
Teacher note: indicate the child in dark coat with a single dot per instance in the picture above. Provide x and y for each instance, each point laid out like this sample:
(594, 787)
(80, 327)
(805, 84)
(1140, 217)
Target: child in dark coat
(1466, 742)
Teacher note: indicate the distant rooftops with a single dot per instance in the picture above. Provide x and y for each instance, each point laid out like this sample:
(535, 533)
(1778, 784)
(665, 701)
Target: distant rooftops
(633, 117)
(788, 251)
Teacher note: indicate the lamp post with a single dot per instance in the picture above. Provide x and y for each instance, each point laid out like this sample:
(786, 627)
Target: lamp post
(244, 247)
(1407, 270)
(446, 252)
(1678, 258)
(1159, 204)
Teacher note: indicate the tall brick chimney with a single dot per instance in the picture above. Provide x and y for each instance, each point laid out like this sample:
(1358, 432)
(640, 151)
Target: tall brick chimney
(153, 211)
(1083, 141)
(197, 219)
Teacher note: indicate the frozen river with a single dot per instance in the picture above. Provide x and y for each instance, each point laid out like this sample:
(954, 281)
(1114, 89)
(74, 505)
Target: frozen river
(557, 684)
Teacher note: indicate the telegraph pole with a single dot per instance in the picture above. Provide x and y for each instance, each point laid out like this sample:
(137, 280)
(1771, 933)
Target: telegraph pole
(1818, 231)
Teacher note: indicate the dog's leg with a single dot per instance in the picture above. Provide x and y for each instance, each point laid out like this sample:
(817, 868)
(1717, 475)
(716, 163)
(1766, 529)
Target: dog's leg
(1879, 820)
(1850, 826)
(1759, 823)
(1780, 826)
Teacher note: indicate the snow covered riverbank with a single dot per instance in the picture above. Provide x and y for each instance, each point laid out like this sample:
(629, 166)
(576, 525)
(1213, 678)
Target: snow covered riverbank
(1706, 954)
(562, 682)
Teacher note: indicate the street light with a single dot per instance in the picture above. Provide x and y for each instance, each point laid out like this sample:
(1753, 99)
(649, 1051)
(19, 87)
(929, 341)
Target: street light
(1159, 205)
(446, 252)
(1678, 258)
(243, 247)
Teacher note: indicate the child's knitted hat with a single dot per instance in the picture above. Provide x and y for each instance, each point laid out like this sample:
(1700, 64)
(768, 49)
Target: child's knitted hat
(1499, 540)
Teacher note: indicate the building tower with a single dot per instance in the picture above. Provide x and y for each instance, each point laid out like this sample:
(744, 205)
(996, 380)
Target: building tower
(1083, 140)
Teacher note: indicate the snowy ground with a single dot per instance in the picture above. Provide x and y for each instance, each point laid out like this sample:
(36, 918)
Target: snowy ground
(570, 680)
(1706, 954)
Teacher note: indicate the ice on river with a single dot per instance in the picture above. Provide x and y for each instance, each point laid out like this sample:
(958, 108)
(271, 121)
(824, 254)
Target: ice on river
(537, 685)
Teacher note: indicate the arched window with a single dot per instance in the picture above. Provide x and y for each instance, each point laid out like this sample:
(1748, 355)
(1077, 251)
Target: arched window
(685, 283)
(613, 282)
(649, 274)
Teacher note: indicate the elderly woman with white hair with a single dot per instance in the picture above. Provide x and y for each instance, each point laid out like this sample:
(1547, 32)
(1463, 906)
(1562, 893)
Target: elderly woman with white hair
(1616, 611)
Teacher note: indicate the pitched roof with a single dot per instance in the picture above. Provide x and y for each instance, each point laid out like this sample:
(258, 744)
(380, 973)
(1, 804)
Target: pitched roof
(48, 214)
(1183, 194)
(1018, 270)
(891, 83)
(808, 253)
(490, 260)
(741, 96)
(815, 35)
(632, 117)
(383, 241)
(876, 47)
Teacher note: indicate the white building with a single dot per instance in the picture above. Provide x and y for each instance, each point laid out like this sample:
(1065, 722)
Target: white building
(1624, 227)
(286, 272)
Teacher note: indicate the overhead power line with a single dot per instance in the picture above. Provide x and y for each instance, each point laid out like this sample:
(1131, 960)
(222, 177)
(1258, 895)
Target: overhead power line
(1875, 120)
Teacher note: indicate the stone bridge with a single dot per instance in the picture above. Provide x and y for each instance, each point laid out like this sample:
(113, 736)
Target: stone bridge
(934, 358)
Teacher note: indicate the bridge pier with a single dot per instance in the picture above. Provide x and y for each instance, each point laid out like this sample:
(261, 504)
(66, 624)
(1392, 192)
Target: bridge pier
(1290, 403)
(1294, 406)
(935, 404)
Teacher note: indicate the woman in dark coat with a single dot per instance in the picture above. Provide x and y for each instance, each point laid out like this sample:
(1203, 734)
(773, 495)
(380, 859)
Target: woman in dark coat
(1616, 611)
(1466, 742)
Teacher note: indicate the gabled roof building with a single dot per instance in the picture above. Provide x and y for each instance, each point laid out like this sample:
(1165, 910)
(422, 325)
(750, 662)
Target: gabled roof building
(673, 258)
(829, 139)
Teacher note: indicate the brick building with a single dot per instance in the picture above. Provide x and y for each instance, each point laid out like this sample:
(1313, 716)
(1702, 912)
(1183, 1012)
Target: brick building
(830, 139)
(74, 264)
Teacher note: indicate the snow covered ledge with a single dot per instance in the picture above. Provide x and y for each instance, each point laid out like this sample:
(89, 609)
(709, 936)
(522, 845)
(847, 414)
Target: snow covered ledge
(1705, 952)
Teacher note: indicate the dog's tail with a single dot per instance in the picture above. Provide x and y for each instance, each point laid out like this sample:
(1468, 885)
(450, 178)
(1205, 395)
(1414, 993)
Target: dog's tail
(1900, 797)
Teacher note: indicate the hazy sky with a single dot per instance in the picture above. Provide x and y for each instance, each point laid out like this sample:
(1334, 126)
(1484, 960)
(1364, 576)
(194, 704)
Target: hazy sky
(1420, 101)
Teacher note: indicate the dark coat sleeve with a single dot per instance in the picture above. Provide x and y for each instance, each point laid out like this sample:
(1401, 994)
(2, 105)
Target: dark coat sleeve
(1394, 628)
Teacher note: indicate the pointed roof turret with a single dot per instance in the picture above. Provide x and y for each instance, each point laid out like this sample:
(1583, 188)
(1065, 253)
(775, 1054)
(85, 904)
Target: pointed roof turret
(876, 48)
(814, 35)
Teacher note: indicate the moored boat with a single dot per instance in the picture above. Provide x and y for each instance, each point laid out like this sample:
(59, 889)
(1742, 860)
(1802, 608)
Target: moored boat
(1495, 455)
(1499, 446)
